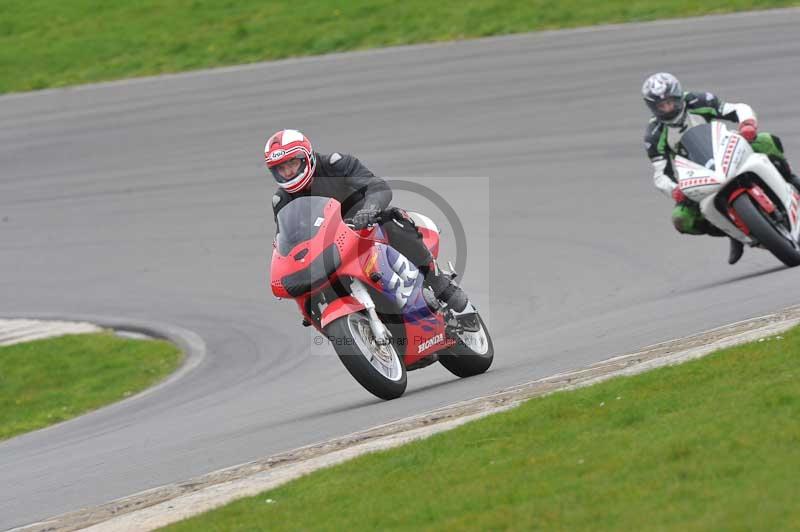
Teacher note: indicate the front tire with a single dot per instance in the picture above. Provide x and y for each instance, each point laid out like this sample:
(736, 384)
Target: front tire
(765, 232)
(379, 369)
(473, 352)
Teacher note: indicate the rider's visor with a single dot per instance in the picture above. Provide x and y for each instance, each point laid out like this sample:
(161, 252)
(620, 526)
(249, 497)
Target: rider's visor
(667, 106)
(289, 169)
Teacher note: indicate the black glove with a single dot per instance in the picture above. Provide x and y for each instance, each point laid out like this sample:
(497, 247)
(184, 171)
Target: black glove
(365, 217)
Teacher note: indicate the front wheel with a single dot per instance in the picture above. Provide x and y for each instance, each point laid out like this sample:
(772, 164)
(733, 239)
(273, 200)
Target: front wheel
(377, 368)
(473, 352)
(769, 234)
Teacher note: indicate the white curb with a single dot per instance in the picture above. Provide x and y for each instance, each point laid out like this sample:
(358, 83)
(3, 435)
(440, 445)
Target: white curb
(18, 331)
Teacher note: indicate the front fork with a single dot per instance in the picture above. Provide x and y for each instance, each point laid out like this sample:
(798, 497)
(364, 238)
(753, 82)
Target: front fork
(379, 330)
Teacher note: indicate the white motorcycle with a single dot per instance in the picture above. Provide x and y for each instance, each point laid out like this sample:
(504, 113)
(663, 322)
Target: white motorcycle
(739, 191)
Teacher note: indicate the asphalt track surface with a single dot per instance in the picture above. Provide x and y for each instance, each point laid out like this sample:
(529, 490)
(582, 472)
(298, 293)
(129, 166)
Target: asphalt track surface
(147, 200)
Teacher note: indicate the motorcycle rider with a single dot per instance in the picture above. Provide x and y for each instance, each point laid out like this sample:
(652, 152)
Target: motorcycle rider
(675, 111)
(300, 171)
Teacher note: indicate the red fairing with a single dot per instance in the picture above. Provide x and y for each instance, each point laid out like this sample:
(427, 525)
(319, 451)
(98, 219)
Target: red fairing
(735, 194)
(277, 288)
(757, 193)
(332, 231)
(341, 307)
(422, 343)
(360, 253)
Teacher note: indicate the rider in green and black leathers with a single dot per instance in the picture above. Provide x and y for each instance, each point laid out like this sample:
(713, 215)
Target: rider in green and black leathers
(675, 111)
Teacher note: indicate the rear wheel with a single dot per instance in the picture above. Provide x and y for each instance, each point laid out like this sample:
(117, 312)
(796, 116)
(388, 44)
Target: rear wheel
(771, 234)
(377, 368)
(473, 352)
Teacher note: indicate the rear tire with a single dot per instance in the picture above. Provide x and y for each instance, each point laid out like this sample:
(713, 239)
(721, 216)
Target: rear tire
(472, 354)
(380, 370)
(765, 232)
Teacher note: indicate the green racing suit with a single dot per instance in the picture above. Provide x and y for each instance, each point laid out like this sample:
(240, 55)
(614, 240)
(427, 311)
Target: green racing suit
(661, 141)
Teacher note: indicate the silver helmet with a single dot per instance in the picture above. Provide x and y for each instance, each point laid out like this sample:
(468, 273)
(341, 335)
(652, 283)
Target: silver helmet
(663, 95)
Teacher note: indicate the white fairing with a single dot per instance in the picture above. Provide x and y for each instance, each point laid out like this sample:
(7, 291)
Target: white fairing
(732, 157)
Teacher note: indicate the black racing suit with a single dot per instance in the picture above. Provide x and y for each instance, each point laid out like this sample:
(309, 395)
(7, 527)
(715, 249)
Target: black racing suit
(344, 178)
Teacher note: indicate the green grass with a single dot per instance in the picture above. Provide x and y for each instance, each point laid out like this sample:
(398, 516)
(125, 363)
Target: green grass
(50, 44)
(713, 444)
(47, 381)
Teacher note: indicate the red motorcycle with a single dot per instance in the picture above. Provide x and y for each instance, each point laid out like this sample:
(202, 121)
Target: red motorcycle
(369, 300)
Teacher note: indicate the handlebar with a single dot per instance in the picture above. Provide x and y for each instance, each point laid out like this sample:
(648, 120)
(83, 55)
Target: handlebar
(379, 219)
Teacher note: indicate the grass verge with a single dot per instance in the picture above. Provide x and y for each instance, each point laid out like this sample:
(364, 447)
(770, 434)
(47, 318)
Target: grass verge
(708, 445)
(51, 44)
(47, 381)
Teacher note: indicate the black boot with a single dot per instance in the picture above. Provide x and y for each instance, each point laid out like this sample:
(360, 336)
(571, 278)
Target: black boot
(445, 289)
(737, 249)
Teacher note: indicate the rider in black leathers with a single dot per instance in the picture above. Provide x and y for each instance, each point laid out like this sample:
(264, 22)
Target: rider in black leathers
(365, 199)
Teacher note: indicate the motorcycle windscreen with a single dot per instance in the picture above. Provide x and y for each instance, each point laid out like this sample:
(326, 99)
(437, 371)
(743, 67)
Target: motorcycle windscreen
(299, 221)
(697, 145)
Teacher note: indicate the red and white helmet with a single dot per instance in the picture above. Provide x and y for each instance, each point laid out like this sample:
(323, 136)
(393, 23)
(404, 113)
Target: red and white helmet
(290, 146)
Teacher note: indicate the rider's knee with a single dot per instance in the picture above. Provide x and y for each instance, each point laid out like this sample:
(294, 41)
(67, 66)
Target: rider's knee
(685, 221)
(777, 141)
(768, 144)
